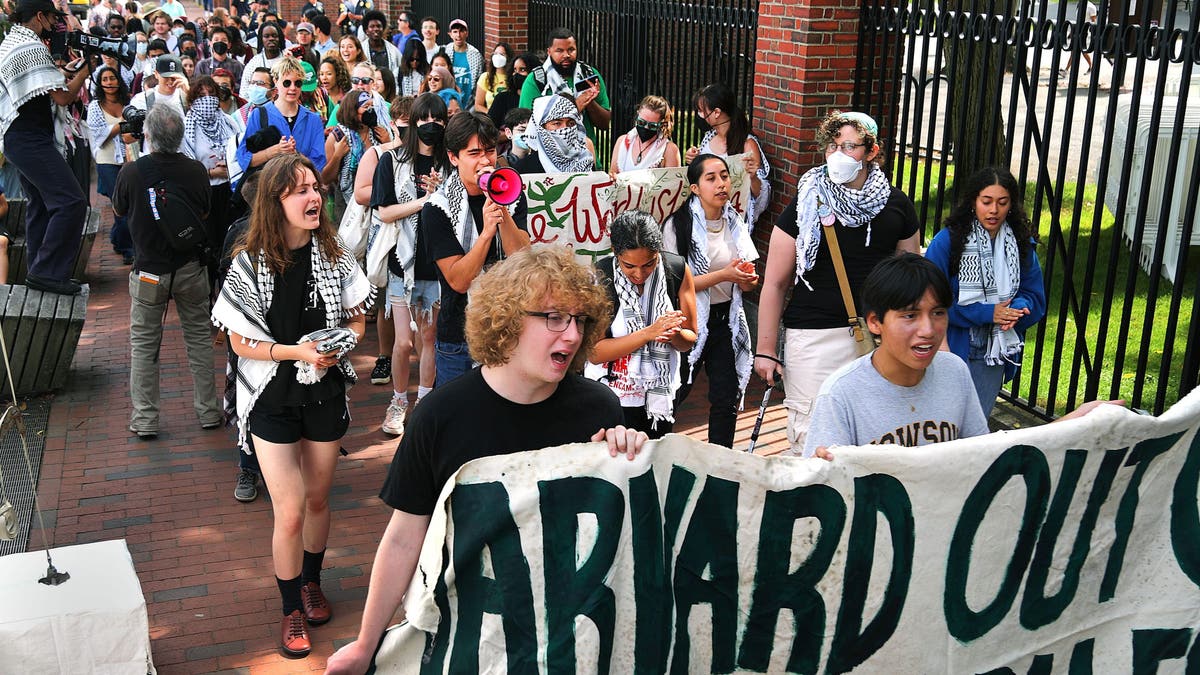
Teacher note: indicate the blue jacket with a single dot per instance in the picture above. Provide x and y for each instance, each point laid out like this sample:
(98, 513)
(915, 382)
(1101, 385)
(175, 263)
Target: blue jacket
(1031, 295)
(309, 132)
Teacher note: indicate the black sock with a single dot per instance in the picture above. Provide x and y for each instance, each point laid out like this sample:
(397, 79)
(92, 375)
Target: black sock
(289, 591)
(311, 570)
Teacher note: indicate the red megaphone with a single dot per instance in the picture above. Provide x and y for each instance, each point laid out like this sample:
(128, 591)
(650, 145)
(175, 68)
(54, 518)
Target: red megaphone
(502, 185)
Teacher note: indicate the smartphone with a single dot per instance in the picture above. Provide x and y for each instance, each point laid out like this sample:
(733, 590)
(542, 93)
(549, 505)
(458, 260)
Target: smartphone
(586, 83)
(338, 134)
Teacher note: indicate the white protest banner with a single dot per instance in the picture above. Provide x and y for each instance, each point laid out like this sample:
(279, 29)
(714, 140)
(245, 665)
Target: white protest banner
(1071, 547)
(575, 209)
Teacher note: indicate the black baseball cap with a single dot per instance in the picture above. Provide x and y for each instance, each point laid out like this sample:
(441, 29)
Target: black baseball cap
(31, 7)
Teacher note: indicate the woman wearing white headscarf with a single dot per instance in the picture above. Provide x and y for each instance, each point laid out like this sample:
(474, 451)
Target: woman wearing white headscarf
(557, 138)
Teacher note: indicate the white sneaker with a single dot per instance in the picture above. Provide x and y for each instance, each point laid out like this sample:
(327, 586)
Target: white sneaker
(393, 419)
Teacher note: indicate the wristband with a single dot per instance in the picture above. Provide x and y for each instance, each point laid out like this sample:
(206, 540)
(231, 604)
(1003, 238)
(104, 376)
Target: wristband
(769, 358)
(271, 352)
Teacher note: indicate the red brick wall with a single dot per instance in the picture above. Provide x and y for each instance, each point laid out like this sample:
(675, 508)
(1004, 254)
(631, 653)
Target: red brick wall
(805, 65)
(507, 21)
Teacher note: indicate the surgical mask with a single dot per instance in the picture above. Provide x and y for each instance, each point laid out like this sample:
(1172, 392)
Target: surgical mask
(177, 31)
(499, 61)
(257, 95)
(220, 48)
(702, 124)
(142, 48)
(430, 133)
(841, 167)
(519, 142)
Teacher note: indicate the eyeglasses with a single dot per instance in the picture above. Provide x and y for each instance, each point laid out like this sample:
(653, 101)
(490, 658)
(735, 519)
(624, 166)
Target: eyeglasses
(288, 84)
(260, 83)
(846, 147)
(649, 126)
(362, 80)
(557, 322)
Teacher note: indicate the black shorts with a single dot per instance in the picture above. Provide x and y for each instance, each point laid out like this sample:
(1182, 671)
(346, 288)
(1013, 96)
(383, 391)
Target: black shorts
(323, 421)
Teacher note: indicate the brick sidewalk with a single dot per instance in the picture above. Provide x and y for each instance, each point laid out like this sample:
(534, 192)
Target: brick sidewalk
(203, 558)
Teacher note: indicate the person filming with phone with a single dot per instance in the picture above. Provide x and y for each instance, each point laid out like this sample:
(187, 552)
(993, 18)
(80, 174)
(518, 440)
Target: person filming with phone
(32, 86)
(564, 73)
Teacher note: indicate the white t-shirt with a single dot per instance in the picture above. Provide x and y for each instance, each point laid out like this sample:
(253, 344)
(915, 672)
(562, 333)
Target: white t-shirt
(174, 101)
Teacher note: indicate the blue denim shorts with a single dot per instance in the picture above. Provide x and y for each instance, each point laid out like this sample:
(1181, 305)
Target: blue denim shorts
(424, 298)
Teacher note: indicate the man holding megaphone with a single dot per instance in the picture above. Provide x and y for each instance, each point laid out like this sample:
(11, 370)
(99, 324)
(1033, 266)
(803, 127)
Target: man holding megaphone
(467, 228)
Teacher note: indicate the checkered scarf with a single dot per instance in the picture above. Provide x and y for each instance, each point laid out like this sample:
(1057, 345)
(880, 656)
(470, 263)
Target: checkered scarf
(655, 365)
(26, 71)
(205, 117)
(698, 261)
(246, 297)
(820, 201)
(562, 150)
(990, 271)
(451, 198)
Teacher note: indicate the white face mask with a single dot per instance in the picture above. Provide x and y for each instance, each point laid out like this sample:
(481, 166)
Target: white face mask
(841, 167)
(499, 60)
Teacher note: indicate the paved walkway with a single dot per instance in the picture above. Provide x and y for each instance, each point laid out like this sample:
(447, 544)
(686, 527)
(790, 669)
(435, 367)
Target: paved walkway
(203, 558)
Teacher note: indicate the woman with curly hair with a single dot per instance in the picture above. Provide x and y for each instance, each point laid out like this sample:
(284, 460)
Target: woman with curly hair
(654, 300)
(289, 278)
(987, 250)
(335, 79)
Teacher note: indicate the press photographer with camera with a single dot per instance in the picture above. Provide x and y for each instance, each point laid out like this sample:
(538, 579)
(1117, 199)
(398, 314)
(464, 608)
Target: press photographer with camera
(168, 239)
(32, 84)
(170, 91)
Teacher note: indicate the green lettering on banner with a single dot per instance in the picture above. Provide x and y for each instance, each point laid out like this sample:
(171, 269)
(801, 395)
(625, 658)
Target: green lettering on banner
(883, 494)
(652, 547)
(1038, 609)
(572, 591)
(509, 595)
(1143, 453)
(1020, 460)
(776, 588)
(1081, 658)
(710, 545)
(1185, 515)
(1151, 646)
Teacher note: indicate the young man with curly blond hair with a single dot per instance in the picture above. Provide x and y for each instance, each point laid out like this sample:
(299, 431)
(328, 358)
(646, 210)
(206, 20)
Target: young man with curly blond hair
(531, 322)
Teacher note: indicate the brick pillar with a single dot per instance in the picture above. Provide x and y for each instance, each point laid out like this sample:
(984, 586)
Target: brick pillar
(506, 21)
(807, 54)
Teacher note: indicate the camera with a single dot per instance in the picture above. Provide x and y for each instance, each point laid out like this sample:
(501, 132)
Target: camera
(132, 121)
(89, 44)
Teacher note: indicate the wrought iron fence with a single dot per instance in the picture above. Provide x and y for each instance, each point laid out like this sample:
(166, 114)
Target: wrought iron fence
(1107, 155)
(446, 11)
(670, 48)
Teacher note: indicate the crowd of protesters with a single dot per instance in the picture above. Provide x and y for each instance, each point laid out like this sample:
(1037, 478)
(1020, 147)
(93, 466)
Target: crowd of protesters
(332, 162)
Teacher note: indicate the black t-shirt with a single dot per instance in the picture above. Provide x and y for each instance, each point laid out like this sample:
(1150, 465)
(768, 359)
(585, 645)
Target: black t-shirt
(822, 307)
(35, 115)
(440, 243)
(466, 420)
(152, 252)
(529, 164)
(296, 310)
(384, 194)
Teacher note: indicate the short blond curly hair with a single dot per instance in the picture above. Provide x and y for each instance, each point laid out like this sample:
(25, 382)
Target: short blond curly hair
(500, 297)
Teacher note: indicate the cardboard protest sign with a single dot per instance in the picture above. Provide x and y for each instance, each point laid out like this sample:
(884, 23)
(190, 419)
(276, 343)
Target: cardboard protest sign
(575, 209)
(1071, 547)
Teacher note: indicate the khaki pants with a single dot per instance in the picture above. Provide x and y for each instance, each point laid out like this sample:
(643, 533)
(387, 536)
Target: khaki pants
(810, 356)
(189, 288)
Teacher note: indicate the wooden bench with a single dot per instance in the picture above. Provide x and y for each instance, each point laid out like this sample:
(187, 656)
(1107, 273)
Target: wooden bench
(41, 331)
(18, 261)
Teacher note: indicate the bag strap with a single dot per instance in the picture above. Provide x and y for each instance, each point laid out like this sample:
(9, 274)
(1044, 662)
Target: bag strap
(835, 252)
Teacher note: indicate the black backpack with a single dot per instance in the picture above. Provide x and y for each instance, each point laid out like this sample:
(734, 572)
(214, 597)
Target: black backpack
(177, 220)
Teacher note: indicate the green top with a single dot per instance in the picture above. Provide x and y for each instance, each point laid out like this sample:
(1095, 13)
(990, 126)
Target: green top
(530, 91)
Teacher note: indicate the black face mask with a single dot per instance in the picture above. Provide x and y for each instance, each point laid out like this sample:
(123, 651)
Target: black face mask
(220, 48)
(370, 119)
(431, 133)
(518, 79)
(702, 124)
(190, 52)
(645, 134)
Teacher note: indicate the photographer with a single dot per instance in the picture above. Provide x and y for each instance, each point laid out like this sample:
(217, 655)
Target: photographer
(162, 272)
(169, 92)
(57, 205)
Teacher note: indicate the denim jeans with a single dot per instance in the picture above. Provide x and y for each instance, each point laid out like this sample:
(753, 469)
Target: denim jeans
(452, 359)
(118, 236)
(718, 364)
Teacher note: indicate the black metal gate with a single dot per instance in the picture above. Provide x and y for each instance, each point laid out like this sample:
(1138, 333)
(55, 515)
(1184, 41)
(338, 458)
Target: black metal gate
(670, 48)
(1107, 155)
(446, 11)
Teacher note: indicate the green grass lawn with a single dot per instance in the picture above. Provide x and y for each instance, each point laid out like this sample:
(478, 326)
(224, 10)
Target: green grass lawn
(1053, 377)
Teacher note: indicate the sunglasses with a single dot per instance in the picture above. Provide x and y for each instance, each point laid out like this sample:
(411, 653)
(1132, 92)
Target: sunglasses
(649, 126)
(362, 80)
(435, 79)
(288, 84)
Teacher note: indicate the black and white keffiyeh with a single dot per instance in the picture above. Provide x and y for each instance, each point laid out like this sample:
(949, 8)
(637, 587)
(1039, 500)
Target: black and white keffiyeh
(204, 116)
(556, 83)
(820, 201)
(758, 205)
(654, 367)
(451, 198)
(990, 272)
(26, 71)
(739, 328)
(246, 297)
(563, 150)
(405, 249)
